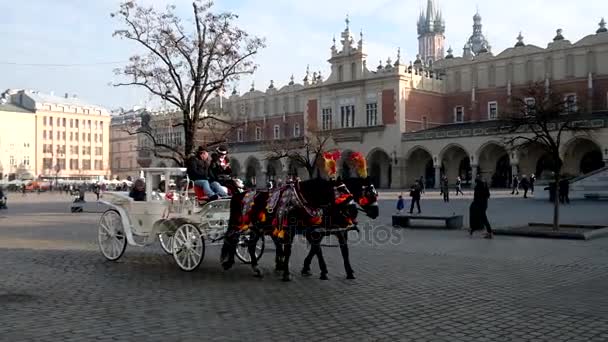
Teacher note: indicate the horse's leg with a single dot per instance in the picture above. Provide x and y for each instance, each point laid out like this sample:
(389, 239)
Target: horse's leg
(229, 249)
(311, 253)
(289, 235)
(279, 257)
(321, 259)
(342, 240)
(251, 247)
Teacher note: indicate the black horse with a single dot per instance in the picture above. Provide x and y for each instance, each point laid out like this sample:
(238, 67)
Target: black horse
(366, 197)
(330, 198)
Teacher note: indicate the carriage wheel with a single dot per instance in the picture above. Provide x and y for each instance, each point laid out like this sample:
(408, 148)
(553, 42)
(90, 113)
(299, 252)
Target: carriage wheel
(166, 241)
(188, 247)
(242, 251)
(111, 235)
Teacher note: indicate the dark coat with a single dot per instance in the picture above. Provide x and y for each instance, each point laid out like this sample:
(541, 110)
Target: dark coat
(197, 169)
(415, 191)
(139, 196)
(481, 195)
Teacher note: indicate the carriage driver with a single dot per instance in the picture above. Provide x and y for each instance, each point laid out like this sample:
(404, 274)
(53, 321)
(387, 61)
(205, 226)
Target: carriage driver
(198, 171)
(220, 167)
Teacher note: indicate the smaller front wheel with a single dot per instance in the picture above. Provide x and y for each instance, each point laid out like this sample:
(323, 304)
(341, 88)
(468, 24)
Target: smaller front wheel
(111, 235)
(166, 242)
(242, 249)
(188, 247)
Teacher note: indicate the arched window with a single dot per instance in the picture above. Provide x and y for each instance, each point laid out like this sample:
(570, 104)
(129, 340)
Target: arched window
(340, 73)
(353, 71)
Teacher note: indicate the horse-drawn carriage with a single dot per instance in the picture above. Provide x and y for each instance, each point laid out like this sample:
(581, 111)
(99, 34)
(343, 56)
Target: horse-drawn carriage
(175, 218)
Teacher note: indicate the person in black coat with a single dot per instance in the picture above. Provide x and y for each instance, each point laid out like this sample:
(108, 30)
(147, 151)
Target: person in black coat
(477, 212)
(564, 191)
(525, 184)
(198, 171)
(415, 194)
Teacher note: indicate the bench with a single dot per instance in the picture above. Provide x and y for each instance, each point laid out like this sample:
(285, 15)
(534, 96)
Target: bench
(596, 197)
(451, 222)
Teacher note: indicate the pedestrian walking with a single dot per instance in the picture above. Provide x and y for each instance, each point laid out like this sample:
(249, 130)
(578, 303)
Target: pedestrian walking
(422, 184)
(459, 186)
(415, 195)
(515, 185)
(478, 210)
(444, 189)
(564, 191)
(525, 184)
(400, 204)
(23, 189)
(532, 181)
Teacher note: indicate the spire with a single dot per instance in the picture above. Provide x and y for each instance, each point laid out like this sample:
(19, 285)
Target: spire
(602, 28)
(430, 14)
(477, 42)
(291, 80)
(252, 86)
(234, 91)
(271, 86)
(347, 21)
(520, 40)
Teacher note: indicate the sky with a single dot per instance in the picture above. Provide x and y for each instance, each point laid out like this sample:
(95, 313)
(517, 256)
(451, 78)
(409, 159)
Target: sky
(298, 33)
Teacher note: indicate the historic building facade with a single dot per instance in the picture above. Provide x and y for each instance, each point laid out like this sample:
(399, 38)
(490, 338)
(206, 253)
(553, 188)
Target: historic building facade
(17, 141)
(71, 137)
(431, 117)
(124, 144)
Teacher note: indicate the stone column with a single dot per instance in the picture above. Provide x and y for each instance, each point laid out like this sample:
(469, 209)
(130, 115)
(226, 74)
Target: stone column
(437, 176)
(473, 173)
(514, 170)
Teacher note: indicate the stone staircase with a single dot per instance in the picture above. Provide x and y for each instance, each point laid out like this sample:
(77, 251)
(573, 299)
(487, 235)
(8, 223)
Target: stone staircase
(591, 185)
(588, 186)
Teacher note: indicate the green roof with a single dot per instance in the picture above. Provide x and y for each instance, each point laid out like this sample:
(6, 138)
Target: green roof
(9, 107)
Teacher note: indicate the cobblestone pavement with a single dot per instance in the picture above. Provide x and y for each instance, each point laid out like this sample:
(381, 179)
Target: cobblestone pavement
(411, 286)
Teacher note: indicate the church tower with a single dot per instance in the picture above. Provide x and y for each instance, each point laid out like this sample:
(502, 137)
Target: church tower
(431, 39)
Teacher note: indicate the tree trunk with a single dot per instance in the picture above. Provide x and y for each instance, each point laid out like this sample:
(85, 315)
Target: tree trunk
(189, 131)
(556, 202)
(311, 172)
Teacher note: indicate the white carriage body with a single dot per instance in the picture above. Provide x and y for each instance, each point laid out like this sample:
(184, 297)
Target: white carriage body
(175, 217)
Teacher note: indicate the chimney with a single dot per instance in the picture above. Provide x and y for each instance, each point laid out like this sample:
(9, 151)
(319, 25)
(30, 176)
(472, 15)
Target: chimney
(67, 95)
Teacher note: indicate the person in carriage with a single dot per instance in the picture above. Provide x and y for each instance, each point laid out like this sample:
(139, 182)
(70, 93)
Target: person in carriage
(198, 171)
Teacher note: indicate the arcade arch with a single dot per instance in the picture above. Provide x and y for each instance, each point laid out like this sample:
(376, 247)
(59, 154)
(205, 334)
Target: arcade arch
(493, 164)
(253, 170)
(581, 155)
(379, 166)
(419, 163)
(455, 162)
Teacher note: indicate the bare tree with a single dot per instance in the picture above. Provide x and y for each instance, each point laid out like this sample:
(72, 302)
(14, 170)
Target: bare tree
(543, 118)
(213, 131)
(305, 153)
(184, 66)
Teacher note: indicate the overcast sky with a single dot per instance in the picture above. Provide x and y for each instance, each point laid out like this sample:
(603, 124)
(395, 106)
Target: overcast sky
(297, 33)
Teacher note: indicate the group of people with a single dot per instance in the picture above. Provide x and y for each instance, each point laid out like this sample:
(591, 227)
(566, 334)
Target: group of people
(525, 183)
(478, 209)
(207, 170)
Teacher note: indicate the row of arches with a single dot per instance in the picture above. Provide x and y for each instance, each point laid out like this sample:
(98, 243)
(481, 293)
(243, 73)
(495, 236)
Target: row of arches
(497, 165)
(492, 160)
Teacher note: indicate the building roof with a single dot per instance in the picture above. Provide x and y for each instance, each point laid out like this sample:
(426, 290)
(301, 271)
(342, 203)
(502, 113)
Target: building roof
(61, 100)
(9, 107)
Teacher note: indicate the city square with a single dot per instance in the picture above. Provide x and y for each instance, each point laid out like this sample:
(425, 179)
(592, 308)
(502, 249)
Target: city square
(412, 285)
(150, 148)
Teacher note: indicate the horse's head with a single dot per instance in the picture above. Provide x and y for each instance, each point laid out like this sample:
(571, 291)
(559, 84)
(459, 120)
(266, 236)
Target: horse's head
(365, 194)
(344, 203)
